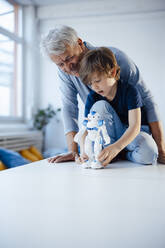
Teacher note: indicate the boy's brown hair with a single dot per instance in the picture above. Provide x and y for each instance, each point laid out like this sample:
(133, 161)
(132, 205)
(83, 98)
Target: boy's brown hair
(100, 61)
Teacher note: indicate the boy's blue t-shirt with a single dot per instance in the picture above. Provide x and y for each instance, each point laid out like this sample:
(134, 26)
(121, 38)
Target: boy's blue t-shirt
(127, 98)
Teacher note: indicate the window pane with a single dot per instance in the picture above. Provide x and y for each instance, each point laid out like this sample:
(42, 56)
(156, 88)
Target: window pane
(7, 15)
(5, 7)
(10, 77)
(4, 101)
(6, 60)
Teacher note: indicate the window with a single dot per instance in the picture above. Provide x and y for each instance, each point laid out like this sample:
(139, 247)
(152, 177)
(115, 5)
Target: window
(11, 43)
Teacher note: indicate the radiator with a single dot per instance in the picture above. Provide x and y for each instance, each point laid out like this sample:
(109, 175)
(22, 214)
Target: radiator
(20, 141)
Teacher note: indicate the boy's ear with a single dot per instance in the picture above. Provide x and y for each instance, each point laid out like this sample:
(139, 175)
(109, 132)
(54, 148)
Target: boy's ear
(113, 72)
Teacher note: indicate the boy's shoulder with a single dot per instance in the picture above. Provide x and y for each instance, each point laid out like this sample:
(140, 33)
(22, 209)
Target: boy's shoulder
(126, 85)
(128, 90)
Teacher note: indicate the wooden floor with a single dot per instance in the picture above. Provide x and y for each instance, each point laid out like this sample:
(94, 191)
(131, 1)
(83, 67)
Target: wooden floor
(62, 205)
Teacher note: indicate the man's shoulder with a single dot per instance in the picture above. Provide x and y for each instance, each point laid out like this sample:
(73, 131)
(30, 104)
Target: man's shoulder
(62, 73)
(91, 47)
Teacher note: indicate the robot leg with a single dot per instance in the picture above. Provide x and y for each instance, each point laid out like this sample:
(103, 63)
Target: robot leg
(97, 149)
(89, 151)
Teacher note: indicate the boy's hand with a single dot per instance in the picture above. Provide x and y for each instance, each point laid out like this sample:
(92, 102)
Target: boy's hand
(107, 154)
(81, 159)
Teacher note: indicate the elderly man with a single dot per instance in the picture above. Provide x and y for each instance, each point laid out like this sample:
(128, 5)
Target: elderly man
(66, 49)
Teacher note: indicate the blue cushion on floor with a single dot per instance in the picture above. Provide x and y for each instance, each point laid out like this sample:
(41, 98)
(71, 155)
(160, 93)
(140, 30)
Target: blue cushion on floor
(11, 159)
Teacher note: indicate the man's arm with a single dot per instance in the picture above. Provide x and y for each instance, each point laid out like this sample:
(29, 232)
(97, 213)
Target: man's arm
(69, 100)
(131, 74)
(72, 146)
(70, 115)
(158, 135)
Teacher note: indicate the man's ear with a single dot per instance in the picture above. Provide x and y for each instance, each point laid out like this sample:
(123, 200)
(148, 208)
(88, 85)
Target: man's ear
(80, 42)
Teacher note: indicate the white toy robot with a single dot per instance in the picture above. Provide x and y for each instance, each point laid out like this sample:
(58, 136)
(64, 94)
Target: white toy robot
(97, 136)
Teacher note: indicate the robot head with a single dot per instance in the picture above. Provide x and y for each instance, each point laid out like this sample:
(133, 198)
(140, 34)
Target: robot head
(93, 115)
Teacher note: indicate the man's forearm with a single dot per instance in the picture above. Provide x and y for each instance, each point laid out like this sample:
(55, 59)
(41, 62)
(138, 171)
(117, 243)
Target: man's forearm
(72, 146)
(158, 134)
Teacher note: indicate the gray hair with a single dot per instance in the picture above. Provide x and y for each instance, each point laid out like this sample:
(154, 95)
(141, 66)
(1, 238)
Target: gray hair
(56, 39)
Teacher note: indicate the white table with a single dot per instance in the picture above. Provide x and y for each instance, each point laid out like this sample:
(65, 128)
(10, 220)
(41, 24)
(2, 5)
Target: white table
(63, 205)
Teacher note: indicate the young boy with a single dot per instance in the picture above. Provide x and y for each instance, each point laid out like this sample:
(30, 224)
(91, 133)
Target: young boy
(120, 105)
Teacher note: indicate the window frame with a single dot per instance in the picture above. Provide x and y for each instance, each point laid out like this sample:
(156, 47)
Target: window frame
(18, 40)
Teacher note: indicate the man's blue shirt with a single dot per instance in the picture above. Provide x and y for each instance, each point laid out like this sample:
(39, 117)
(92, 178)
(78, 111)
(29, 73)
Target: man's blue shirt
(71, 86)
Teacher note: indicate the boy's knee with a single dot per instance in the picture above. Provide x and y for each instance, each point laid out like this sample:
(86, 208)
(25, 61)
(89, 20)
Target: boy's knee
(102, 107)
(145, 149)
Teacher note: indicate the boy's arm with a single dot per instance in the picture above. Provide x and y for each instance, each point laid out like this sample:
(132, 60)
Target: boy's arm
(134, 118)
(108, 153)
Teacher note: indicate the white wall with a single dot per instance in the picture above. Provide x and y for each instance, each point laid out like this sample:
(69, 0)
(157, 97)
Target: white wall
(136, 27)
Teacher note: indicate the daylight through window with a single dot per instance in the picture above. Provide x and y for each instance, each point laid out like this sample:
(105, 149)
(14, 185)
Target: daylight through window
(11, 43)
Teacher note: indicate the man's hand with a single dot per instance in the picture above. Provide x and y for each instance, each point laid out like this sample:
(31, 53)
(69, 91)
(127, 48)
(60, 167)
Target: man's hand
(161, 157)
(70, 156)
(158, 135)
(107, 154)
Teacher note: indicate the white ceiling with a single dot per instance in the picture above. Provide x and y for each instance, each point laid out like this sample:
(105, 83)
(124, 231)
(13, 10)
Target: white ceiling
(44, 2)
(117, 3)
